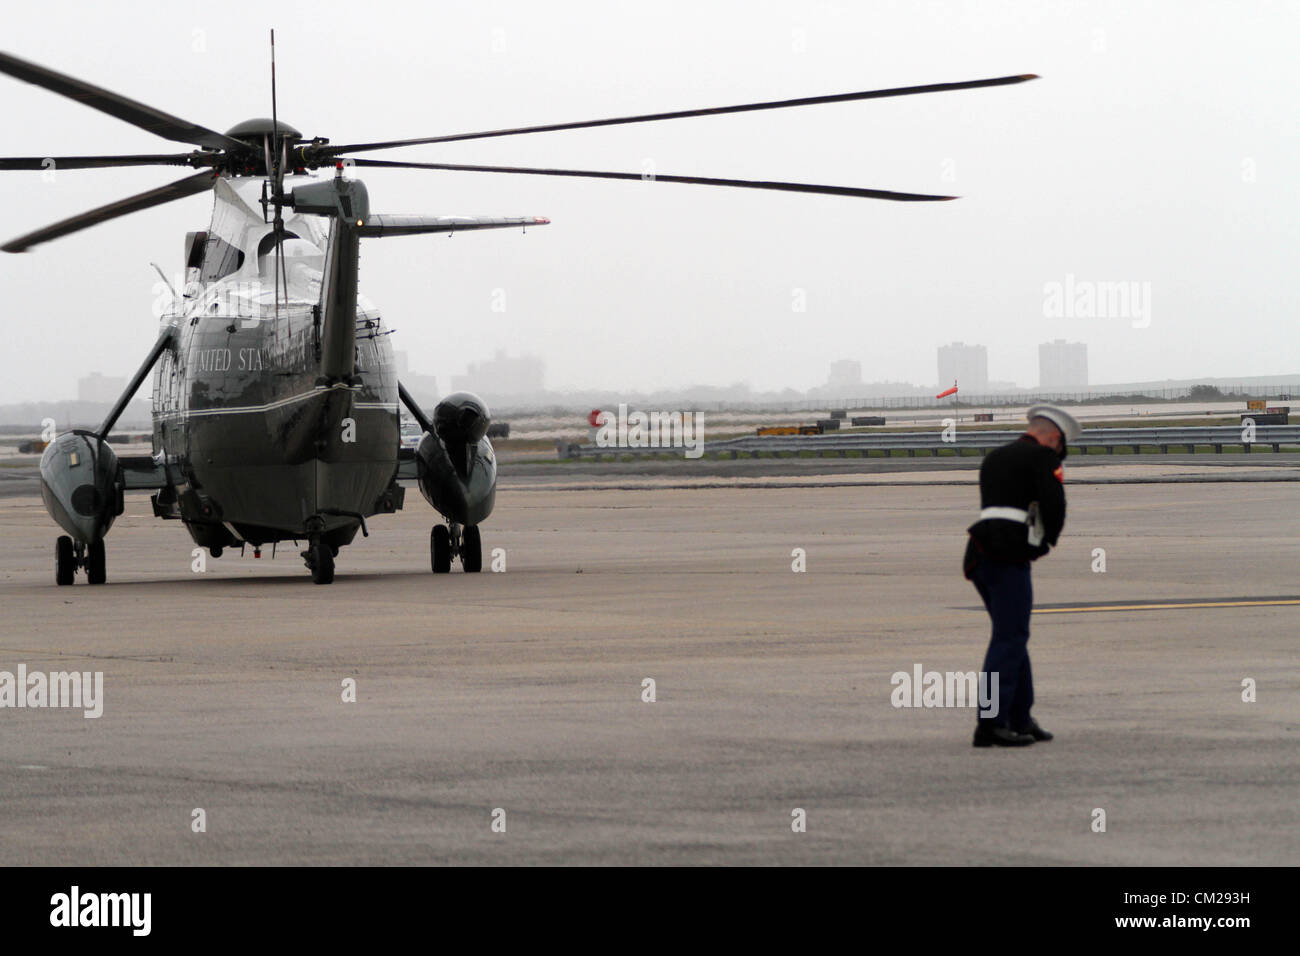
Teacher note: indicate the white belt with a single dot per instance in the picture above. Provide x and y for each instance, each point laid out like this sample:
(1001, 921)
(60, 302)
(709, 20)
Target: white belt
(1011, 514)
(1020, 516)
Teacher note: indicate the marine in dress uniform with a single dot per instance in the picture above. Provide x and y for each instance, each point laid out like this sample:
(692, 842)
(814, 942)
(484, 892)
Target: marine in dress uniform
(1022, 512)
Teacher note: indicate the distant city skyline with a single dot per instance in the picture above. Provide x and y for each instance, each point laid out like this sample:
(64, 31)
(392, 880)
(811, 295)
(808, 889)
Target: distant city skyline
(503, 375)
(493, 377)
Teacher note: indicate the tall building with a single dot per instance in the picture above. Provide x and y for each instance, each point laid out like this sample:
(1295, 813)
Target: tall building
(100, 388)
(423, 388)
(1062, 364)
(845, 373)
(968, 365)
(502, 376)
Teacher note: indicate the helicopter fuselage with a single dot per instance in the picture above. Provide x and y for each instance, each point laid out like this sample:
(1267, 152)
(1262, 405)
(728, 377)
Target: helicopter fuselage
(265, 448)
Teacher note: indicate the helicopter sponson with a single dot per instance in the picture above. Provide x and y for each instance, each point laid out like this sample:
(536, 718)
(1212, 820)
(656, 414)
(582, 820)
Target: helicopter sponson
(82, 488)
(81, 484)
(456, 465)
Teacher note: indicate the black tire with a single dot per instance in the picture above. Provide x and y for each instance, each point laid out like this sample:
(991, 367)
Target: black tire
(216, 550)
(471, 550)
(96, 563)
(322, 563)
(440, 549)
(65, 563)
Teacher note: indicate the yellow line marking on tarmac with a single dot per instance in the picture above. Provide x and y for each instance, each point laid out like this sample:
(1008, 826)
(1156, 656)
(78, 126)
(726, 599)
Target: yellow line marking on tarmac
(1161, 607)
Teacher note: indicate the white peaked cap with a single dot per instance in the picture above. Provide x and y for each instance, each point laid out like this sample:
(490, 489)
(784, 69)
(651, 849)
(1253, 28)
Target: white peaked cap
(1059, 417)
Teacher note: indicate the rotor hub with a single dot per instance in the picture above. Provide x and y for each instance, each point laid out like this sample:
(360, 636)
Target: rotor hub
(251, 131)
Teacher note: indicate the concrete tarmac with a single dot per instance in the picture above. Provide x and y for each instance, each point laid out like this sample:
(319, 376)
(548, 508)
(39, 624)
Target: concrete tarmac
(523, 690)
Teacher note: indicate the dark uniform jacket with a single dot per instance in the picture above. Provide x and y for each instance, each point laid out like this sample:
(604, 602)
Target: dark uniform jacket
(1015, 475)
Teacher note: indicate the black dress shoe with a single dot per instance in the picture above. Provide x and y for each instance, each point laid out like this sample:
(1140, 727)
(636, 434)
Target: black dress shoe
(991, 735)
(1033, 730)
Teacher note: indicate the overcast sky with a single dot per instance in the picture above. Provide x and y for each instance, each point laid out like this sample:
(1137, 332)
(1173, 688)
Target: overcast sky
(1162, 146)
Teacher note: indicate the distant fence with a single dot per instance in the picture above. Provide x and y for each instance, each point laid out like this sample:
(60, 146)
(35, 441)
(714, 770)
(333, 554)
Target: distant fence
(1092, 439)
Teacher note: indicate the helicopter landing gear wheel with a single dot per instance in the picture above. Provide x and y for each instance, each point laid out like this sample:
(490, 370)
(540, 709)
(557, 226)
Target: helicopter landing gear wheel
(471, 550)
(96, 563)
(65, 562)
(319, 558)
(440, 549)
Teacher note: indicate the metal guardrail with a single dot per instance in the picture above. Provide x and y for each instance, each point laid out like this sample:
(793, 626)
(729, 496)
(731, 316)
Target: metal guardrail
(838, 443)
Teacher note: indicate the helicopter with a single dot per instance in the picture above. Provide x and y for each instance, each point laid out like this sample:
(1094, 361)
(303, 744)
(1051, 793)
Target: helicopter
(275, 403)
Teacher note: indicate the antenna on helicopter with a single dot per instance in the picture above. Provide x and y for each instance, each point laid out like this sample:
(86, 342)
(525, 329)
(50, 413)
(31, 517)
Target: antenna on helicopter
(170, 288)
(277, 193)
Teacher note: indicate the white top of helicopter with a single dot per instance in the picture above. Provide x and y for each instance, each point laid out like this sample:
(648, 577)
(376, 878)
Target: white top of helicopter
(244, 241)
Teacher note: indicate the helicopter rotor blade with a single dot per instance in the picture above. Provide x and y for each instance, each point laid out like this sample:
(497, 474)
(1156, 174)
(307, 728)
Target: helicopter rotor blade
(114, 104)
(696, 180)
(103, 162)
(189, 186)
(328, 151)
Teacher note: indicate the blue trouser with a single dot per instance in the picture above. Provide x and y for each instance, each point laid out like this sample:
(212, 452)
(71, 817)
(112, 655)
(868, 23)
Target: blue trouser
(1008, 595)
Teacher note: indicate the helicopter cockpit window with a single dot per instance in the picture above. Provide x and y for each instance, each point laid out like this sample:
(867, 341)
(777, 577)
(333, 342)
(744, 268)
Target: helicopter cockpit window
(220, 259)
(195, 243)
